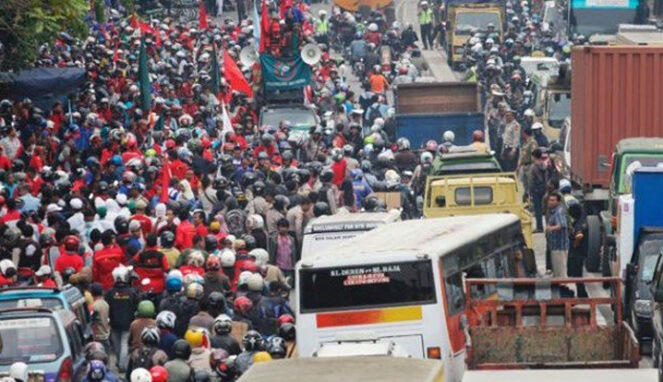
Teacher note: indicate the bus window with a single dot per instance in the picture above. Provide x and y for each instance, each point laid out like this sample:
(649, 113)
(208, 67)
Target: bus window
(388, 284)
(455, 296)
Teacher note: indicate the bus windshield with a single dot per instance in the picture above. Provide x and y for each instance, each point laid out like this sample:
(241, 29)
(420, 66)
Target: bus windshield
(590, 21)
(370, 285)
(467, 21)
(29, 340)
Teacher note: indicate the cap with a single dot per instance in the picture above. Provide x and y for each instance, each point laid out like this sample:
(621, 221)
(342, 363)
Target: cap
(53, 208)
(43, 271)
(140, 204)
(121, 199)
(134, 225)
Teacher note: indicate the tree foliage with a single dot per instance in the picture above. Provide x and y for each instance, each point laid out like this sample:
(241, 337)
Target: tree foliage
(26, 24)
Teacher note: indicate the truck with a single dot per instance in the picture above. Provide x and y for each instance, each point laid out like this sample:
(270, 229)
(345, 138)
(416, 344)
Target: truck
(639, 240)
(615, 120)
(551, 88)
(466, 16)
(602, 16)
(424, 111)
(537, 324)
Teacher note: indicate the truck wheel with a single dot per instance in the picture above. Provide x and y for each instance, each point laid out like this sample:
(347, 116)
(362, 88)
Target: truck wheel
(593, 258)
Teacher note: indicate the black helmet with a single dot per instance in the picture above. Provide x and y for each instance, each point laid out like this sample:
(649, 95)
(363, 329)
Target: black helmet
(248, 178)
(150, 336)
(216, 302)
(182, 349)
(370, 203)
(287, 332)
(95, 350)
(258, 187)
(121, 225)
(18, 165)
(221, 183)
(327, 175)
(167, 239)
(366, 166)
(276, 347)
(253, 341)
(45, 240)
(210, 243)
(250, 241)
(304, 175)
(201, 376)
(321, 208)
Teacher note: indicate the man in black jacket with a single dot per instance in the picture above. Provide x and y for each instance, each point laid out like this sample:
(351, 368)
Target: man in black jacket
(122, 300)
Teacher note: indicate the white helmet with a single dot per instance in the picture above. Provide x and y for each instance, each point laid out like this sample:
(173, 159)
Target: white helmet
(392, 178)
(196, 259)
(426, 157)
(227, 258)
(121, 273)
(379, 121)
(537, 126)
(175, 273)
(166, 319)
(373, 27)
(261, 256)
(244, 278)
(255, 282)
(529, 113)
(141, 375)
(19, 370)
(449, 136)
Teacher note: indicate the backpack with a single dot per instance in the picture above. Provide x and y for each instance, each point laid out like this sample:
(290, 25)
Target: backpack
(373, 113)
(145, 355)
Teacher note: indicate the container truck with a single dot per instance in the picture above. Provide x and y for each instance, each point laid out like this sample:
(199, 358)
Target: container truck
(590, 17)
(616, 95)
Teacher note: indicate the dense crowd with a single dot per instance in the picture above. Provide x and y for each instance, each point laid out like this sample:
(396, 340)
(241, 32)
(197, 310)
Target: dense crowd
(182, 222)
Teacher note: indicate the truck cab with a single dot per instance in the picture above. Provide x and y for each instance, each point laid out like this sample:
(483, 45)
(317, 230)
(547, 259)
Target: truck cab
(630, 154)
(470, 194)
(466, 16)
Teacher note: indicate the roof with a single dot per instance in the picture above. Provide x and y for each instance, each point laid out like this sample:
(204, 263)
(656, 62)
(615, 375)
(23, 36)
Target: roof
(413, 237)
(576, 375)
(641, 37)
(333, 369)
(475, 180)
(361, 221)
(640, 144)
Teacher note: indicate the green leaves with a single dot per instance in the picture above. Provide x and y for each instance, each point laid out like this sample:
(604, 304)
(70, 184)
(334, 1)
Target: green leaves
(26, 24)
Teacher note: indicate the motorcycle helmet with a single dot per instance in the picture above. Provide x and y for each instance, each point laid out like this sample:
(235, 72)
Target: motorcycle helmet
(140, 375)
(253, 341)
(222, 324)
(166, 320)
(182, 349)
(150, 336)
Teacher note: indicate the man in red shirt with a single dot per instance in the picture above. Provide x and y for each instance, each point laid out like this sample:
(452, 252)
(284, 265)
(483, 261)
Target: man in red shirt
(145, 222)
(339, 168)
(69, 257)
(106, 259)
(151, 264)
(199, 223)
(185, 232)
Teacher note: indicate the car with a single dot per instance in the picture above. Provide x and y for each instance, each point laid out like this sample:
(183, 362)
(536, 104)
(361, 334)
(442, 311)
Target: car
(48, 341)
(67, 297)
(301, 117)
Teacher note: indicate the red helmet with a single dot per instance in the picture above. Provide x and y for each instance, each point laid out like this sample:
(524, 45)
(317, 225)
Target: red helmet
(250, 266)
(243, 304)
(159, 374)
(205, 142)
(285, 318)
(431, 145)
(213, 263)
(170, 144)
(71, 243)
(477, 136)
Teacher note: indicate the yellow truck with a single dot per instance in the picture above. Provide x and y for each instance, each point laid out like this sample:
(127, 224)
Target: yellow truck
(466, 16)
(470, 194)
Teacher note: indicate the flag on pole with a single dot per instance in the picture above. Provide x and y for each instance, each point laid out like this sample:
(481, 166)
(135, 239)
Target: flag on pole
(256, 24)
(202, 14)
(264, 26)
(165, 181)
(144, 78)
(227, 124)
(234, 76)
(116, 53)
(216, 72)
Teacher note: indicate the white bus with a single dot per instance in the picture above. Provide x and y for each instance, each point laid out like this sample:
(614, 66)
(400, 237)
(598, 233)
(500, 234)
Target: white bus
(330, 230)
(403, 282)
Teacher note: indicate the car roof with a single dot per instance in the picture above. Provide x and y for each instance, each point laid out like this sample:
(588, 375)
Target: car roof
(68, 292)
(640, 144)
(350, 221)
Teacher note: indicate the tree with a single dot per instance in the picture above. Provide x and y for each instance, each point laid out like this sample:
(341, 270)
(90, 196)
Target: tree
(27, 24)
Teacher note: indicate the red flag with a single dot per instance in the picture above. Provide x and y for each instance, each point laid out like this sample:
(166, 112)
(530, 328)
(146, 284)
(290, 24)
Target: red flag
(234, 76)
(116, 54)
(202, 13)
(157, 37)
(134, 21)
(165, 179)
(264, 26)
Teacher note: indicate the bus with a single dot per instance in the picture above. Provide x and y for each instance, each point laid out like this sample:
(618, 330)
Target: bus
(403, 282)
(329, 230)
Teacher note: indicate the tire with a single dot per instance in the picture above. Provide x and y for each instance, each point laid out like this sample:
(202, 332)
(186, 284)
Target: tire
(593, 258)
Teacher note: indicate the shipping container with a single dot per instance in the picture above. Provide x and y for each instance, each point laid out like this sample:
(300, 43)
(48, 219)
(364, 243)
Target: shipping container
(616, 93)
(437, 97)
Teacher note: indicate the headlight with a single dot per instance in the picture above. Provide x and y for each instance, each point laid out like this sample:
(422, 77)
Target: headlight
(643, 307)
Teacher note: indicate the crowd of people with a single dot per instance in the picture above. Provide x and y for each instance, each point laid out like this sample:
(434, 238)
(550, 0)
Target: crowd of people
(182, 222)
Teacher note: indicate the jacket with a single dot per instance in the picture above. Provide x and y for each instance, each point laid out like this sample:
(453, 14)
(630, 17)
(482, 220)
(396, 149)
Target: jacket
(178, 371)
(272, 246)
(122, 301)
(103, 263)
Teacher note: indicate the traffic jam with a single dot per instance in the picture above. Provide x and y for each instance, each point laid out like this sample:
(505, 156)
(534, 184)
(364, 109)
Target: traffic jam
(371, 190)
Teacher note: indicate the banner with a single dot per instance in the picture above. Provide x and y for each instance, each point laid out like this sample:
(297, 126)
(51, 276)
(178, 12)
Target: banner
(284, 73)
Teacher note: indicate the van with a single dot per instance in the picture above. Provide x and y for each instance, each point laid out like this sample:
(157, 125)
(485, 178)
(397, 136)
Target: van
(67, 297)
(327, 230)
(48, 341)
